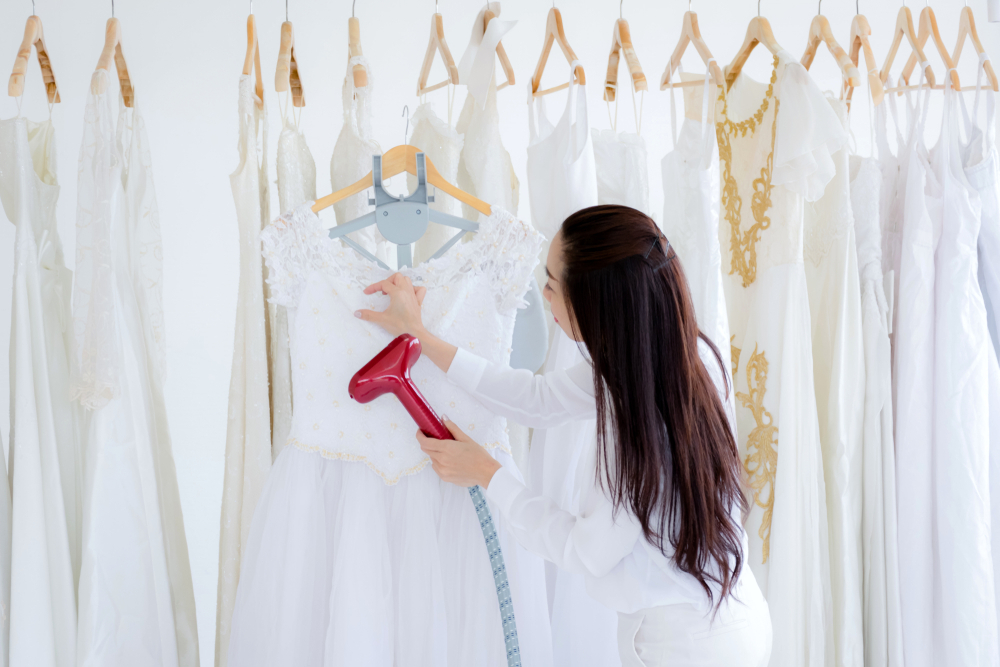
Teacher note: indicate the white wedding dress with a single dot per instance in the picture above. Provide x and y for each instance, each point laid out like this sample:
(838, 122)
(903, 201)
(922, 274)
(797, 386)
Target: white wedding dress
(248, 429)
(883, 645)
(41, 570)
(562, 180)
(622, 166)
(442, 144)
(831, 266)
(691, 207)
(359, 554)
(776, 146)
(136, 601)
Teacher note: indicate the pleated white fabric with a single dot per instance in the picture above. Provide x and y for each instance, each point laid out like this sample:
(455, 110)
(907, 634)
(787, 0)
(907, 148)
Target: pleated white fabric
(136, 600)
(39, 574)
(964, 606)
(691, 207)
(248, 429)
(562, 179)
(831, 267)
(879, 556)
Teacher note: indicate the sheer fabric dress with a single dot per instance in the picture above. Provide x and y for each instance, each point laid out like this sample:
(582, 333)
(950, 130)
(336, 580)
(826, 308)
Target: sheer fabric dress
(359, 554)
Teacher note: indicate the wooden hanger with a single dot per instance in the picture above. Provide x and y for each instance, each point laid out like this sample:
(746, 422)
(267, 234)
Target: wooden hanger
(286, 75)
(967, 29)
(929, 28)
(251, 62)
(821, 33)
(758, 32)
(690, 34)
(359, 72)
(33, 37)
(508, 70)
(112, 53)
(861, 43)
(904, 28)
(437, 44)
(396, 161)
(554, 34)
(621, 42)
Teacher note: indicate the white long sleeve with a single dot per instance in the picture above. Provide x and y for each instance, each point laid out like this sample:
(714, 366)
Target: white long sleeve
(622, 569)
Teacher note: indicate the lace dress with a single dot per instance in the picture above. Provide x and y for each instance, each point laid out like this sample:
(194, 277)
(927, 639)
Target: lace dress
(562, 181)
(622, 165)
(443, 146)
(831, 266)
(776, 144)
(296, 184)
(248, 430)
(45, 456)
(359, 554)
(883, 645)
(352, 159)
(691, 208)
(136, 599)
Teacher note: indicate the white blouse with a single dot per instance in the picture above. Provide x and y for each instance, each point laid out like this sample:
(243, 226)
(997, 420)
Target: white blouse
(622, 569)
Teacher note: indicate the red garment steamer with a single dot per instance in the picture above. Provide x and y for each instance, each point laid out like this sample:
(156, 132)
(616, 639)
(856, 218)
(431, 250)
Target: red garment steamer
(389, 373)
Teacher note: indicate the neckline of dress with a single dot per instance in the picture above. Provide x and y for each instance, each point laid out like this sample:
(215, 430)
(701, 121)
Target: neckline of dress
(765, 100)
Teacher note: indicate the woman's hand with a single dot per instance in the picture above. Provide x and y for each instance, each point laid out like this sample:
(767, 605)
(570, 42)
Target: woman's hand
(460, 461)
(403, 314)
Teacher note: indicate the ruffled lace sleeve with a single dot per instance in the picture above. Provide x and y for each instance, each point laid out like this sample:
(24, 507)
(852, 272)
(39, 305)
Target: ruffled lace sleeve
(807, 135)
(510, 249)
(293, 246)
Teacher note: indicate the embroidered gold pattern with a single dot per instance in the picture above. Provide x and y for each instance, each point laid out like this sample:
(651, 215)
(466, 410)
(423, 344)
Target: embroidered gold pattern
(761, 462)
(744, 244)
(734, 356)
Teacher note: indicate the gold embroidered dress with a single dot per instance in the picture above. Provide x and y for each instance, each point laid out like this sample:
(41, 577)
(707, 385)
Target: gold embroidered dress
(776, 142)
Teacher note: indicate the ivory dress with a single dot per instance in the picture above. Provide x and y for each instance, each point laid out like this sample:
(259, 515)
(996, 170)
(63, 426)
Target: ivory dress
(443, 146)
(248, 430)
(622, 168)
(776, 144)
(883, 645)
(136, 601)
(40, 573)
(359, 554)
(831, 265)
(691, 208)
(562, 181)
(352, 159)
(296, 184)
(964, 609)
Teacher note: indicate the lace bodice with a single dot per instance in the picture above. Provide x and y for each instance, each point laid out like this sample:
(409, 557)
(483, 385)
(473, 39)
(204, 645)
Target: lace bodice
(472, 297)
(296, 167)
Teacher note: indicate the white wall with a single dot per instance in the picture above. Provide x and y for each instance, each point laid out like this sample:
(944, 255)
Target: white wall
(185, 58)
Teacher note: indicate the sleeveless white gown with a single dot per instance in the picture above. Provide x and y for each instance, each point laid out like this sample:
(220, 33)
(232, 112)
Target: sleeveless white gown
(136, 601)
(562, 180)
(42, 536)
(443, 146)
(248, 430)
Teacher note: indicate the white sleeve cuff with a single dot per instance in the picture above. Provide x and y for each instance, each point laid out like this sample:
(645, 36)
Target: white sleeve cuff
(466, 370)
(503, 489)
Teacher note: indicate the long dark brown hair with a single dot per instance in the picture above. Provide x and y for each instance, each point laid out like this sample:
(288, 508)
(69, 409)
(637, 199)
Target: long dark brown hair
(665, 448)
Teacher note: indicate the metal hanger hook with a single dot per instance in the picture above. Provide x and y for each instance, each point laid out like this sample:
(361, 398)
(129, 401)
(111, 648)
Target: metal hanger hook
(354, 2)
(620, 3)
(406, 112)
(32, 7)
(819, 10)
(286, 11)
(113, 8)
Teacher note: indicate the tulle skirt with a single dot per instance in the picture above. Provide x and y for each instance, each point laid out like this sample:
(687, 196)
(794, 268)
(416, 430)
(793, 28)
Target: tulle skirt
(341, 569)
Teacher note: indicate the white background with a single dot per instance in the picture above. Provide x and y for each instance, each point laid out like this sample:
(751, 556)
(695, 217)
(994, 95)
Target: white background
(185, 58)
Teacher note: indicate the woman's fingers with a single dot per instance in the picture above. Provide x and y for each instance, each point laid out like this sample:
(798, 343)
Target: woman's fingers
(456, 432)
(421, 292)
(373, 316)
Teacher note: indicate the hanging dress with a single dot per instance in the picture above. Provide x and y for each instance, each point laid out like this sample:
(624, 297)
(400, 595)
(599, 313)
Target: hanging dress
(776, 144)
(248, 431)
(443, 146)
(964, 611)
(4, 562)
(982, 168)
(691, 208)
(43, 544)
(352, 159)
(880, 590)
(296, 184)
(831, 267)
(136, 601)
(359, 554)
(562, 181)
(622, 162)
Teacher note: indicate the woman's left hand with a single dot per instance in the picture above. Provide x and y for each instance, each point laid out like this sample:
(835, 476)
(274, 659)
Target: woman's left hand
(460, 461)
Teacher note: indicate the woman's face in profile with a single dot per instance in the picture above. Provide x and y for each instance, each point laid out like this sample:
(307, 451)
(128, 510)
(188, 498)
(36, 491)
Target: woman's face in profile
(553, 290)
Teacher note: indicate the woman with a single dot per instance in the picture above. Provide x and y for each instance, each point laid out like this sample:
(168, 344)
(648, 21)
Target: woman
(658, 537)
